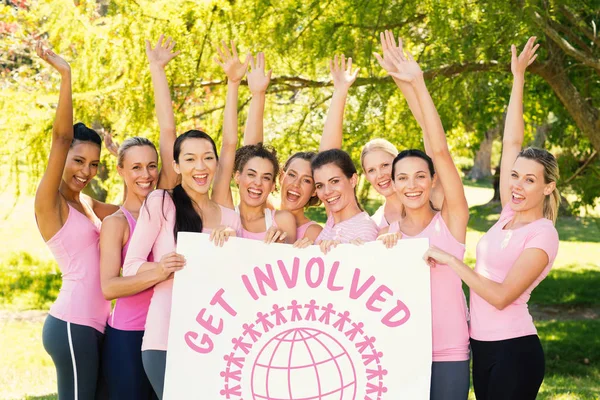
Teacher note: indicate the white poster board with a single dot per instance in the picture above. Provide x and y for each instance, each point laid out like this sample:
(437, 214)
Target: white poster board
(251, 321)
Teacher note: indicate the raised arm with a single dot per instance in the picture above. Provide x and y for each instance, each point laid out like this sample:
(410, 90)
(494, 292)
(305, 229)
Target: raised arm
(158, 58)
(258, 82)
(389, 51)
(235, 71)
(514, 126)
(343, 78)
(455, 209)
(49, 210)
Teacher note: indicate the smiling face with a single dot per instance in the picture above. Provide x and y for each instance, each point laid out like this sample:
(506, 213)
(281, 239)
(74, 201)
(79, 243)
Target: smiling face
(297, 185)
(139, 169)
(334, 189)
(413, 182)
(197, 165)
(377, 165)
(527, 186)
(256, 181)
(81, 165)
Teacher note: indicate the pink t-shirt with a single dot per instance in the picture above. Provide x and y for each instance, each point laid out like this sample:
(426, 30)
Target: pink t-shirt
(497, 251)
(301, 230)
(379, 217)
(130, 312)
(154, 235)
(269, 222)
(75, 248)
(450, 333)
(360, 226)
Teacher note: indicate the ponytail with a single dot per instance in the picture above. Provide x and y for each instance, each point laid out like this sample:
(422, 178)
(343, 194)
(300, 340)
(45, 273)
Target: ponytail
(186, 217)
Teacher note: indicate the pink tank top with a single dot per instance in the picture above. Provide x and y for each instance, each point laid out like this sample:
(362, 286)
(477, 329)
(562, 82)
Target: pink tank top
(269, 222)
(130, 312)
(301, 230)
(154, 234)
(75, 248)
(450, 331)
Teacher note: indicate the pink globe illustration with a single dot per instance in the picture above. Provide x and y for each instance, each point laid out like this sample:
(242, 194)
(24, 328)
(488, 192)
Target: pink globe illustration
(303, 364)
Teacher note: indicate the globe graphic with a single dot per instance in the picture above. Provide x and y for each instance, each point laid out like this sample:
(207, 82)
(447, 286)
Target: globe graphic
(303, 364)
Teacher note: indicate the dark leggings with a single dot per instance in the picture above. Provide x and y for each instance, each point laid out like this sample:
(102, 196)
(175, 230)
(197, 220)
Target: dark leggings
(508, 369)
(449, 380)
(155, 363)
(75, 350)
(122, 365)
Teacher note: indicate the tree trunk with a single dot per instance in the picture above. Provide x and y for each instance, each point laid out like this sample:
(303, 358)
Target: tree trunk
(482, 167)
(541, 134)
(585, 115)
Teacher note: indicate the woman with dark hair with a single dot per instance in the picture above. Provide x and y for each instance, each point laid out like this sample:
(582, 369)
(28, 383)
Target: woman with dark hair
(186, 208)
(414, 176)
(297, 185)
(69, 222)
(513, 257)
(137, 164)
(335, 182)
(256, 168)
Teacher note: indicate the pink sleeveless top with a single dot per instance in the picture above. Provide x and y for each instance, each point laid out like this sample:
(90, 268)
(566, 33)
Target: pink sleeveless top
(75, 248)
(130, 312)
(154, 235)
(497, 251)
(269, 222)
(301, 230)
(450, 332)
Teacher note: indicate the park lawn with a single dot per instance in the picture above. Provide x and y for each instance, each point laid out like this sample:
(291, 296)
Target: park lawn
(27, 371)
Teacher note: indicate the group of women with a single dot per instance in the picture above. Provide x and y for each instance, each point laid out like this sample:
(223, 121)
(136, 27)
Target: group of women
(106, 252)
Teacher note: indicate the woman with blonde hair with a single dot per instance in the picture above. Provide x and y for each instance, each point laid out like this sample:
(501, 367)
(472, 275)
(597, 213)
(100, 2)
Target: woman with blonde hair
(513, 257)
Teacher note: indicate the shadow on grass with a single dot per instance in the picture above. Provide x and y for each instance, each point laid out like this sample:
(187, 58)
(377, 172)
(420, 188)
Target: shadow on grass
(44, 397)
(28, 283)
(572, 351)
(574, 285)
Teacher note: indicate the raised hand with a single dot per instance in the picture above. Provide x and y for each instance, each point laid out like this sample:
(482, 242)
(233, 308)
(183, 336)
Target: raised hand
(341, 72)
(258, 81)
(519, 64)
(230, 62)
(389, 51)
(407, 69)
(110, 144)
(162, 53)
(56, 61)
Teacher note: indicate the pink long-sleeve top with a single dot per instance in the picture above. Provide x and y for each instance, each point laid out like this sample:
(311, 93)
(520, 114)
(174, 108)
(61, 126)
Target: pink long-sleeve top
(154, 235)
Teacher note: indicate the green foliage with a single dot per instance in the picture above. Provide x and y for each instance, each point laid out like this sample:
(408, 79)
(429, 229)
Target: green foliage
(104, 41)
(28, 283)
